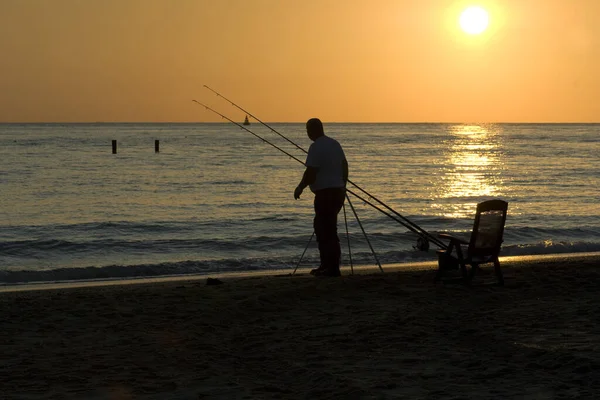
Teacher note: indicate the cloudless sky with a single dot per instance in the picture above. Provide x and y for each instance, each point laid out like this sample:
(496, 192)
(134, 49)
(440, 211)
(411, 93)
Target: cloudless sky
(288, 60)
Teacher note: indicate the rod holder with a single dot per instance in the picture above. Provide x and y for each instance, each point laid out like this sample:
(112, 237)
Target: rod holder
(157, 146)
(114, 146)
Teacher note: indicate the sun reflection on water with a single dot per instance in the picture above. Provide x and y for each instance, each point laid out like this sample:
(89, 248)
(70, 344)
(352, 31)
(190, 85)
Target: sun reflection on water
(470, 167)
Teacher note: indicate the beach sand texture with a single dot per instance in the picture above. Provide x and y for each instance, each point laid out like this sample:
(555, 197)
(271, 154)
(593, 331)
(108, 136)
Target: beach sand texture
(377, 336)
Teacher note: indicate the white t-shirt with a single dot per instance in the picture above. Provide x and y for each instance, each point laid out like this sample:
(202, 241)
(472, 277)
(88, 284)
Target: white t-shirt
(327, 155)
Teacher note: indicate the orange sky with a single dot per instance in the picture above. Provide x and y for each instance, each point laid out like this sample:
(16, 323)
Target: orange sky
(284, 60)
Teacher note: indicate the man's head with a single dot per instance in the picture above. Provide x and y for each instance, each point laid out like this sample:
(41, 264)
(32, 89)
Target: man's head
(314, 128)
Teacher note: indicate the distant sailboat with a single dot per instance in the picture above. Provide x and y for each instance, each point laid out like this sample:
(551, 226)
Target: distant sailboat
(246, 122)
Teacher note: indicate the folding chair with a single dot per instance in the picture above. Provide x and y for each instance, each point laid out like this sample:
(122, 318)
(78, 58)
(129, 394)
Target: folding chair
(483, 247)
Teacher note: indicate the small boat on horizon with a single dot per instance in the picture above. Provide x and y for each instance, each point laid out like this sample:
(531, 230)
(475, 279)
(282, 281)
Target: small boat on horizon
(246, 122)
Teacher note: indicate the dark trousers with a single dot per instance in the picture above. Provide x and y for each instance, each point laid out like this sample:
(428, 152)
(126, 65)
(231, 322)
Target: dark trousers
(328, 203)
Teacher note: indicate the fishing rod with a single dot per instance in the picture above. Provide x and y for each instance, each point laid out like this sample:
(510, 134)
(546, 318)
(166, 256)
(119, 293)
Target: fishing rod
(255, 117)
(416, 229)
(249, 131)
(420, 234)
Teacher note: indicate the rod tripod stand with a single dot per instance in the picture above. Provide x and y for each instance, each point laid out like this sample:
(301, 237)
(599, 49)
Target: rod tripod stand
(348, 238)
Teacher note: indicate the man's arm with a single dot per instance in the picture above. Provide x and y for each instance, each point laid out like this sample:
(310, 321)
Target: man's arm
(310, 175)
(345, 171)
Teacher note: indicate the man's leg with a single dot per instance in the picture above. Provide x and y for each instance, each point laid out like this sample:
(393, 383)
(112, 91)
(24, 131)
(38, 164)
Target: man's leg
(328, 203)
(337, 201)
(320, 204)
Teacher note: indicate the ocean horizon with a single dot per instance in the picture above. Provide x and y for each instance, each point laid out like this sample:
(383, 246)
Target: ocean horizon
(292, 122)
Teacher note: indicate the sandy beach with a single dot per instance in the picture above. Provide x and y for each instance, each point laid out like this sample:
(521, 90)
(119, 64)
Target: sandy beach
(370, 336)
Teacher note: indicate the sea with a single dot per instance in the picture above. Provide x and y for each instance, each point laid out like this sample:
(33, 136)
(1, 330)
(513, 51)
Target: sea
(218, 198)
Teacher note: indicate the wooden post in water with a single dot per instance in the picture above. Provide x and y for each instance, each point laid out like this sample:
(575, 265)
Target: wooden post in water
(114, 146)
(156, 146)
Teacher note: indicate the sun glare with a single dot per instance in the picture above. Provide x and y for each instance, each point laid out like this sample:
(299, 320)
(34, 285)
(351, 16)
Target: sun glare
(474, 20)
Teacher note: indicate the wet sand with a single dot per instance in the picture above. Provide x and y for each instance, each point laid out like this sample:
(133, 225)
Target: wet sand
(371, 336)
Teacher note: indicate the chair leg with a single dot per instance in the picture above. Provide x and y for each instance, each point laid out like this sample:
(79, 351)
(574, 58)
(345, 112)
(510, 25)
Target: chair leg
(438, 275)
(473, 271)
(498, 272)
(463, 265)
(464, 272)
(440, 271)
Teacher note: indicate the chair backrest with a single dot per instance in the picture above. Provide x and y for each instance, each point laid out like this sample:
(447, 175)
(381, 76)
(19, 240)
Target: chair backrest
(488, 228)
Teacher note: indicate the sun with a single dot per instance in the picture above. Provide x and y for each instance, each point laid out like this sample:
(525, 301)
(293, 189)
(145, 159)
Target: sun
(474, 20)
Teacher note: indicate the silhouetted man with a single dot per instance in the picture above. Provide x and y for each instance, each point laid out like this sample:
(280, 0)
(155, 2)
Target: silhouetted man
(326, 173)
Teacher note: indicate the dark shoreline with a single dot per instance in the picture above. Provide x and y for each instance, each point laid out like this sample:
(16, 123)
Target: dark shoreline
(362, 269)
